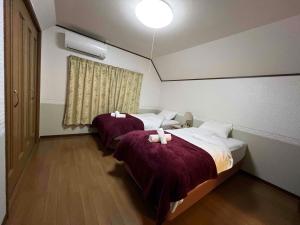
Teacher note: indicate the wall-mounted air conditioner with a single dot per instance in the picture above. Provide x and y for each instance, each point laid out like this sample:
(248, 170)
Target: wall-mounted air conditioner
(85, 45)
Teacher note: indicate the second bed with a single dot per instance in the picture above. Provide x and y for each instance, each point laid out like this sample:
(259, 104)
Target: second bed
(110, 128)
(176, 175)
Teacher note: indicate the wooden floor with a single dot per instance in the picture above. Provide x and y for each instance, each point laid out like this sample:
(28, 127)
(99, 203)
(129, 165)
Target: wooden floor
(69, 181)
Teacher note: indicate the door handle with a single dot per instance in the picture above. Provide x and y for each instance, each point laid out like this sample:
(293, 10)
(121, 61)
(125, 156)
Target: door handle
(17, 95)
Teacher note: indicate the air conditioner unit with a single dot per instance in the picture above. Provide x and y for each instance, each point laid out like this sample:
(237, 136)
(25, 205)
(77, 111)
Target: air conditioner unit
(85, 45)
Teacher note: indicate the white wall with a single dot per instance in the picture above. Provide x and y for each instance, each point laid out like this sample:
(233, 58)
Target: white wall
(2, 122)
(269, 49)
(54, 76)
(265, 106)
(264, 109)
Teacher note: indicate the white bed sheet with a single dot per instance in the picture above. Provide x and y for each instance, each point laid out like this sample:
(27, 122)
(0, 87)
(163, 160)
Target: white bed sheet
(237, 149)
(221, 149)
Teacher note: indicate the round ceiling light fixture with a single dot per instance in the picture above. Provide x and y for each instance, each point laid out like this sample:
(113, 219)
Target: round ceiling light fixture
(154, 13)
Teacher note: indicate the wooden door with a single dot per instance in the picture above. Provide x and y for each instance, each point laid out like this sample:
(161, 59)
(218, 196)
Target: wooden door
(22, 92)
(28, 83)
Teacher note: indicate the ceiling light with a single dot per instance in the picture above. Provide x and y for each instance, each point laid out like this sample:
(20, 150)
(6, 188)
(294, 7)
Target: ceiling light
(154, 13)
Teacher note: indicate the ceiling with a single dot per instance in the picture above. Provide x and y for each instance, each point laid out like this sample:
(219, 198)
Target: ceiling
(195, 21)
(45, 12)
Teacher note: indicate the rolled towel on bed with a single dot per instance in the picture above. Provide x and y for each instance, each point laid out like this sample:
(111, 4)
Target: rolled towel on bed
(155, 137)
(120, 115)
(161, 135)
(117, 114)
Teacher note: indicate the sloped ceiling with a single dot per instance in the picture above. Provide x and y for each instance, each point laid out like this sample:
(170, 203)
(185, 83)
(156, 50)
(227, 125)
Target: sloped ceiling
(272, 49)
(196, 22)
(45, 12)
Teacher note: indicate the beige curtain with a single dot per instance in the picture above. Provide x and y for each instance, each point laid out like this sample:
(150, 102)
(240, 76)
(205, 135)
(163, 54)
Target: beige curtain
(95, 88)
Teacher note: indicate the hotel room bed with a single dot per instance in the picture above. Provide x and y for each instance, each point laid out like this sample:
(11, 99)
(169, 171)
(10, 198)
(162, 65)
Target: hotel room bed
(109, 128)
(176, 175)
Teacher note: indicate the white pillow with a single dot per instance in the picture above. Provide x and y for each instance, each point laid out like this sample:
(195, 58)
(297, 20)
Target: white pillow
(168, 115)
(170, 122)
(220, 129)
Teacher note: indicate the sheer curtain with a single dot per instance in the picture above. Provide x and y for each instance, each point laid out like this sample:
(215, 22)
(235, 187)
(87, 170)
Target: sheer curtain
(94, 88)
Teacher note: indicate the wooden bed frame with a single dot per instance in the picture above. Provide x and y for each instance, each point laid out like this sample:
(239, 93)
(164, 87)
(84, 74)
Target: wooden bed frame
(203, 189)
(198, 192)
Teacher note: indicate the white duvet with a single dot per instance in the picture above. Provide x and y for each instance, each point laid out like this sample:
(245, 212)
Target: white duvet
(151, 121)
(217, 147)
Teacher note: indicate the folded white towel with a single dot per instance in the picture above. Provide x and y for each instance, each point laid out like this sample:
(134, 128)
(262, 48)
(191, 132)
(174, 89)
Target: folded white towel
(155, 137)
(120, 115)
(117, 114)
(161, 135)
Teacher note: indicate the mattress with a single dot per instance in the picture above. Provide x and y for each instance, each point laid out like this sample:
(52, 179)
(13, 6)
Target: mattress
(237, 149)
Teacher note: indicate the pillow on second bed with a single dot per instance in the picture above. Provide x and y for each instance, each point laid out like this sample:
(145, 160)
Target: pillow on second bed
(168, 115)
(220, 129)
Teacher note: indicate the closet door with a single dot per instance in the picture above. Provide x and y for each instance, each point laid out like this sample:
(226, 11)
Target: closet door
(23, 90)
(32, 94)
(29, 86)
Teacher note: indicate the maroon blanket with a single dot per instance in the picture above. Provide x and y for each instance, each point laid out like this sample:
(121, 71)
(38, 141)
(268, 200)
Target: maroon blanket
(166, 173)
(110, 127)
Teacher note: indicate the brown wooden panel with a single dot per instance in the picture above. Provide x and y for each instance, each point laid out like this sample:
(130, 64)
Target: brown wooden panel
(21, 81)
(34, 85)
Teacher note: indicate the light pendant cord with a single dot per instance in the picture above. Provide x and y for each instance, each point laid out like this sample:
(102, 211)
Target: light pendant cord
(152, 49)
(152, 46)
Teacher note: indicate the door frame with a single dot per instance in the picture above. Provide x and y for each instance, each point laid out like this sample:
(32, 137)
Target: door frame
(7, 6)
